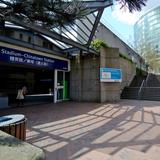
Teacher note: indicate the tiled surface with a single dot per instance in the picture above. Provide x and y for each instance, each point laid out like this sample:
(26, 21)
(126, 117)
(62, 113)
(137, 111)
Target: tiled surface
(69, 130)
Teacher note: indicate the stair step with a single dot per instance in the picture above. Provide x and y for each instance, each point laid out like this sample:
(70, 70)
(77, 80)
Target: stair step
(95, 155)
(151, 90)
(153, 153)
(129, 154)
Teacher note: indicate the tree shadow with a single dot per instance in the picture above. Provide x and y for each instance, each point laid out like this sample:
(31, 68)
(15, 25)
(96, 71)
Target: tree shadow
(66, 133)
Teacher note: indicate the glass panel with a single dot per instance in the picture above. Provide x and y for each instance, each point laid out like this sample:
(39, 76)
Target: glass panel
(60, 94)
(59, 78)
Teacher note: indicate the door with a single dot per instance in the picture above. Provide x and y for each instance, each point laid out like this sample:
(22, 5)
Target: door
(61, 86)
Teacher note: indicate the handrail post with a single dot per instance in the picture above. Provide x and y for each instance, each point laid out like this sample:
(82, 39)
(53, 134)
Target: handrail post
(140, 89)
(147, 78)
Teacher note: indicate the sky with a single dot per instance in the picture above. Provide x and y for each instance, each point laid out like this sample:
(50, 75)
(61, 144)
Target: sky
(121, 22)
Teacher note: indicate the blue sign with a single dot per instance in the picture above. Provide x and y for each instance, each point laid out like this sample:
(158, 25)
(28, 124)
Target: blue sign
(20, 57)
(110, 75)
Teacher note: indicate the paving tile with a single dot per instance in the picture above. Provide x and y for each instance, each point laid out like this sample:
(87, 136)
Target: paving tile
(94, 155)
(68, 130)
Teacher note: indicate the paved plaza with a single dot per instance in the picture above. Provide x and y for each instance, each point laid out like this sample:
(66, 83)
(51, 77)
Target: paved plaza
(68, 130)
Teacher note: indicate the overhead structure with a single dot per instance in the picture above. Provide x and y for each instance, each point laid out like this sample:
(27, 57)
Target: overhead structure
(70, 28)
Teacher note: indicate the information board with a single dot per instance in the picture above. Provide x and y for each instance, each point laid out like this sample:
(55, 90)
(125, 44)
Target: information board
(14, 56)
(110, 75)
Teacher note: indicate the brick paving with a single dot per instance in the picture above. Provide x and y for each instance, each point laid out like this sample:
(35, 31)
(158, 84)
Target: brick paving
(68, 130)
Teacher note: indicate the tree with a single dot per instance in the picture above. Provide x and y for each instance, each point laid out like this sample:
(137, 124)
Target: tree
(52, 13)
(151, 56)
(48, 13)
(132, 4)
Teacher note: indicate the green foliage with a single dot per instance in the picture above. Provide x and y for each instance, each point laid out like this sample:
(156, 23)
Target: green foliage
(47, 13)
(132, 4)
(140, 71)
(151, 56)
(153, 59)
(96, 44)
(125, 57)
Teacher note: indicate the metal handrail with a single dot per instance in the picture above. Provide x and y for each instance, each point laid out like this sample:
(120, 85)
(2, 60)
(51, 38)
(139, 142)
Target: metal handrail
(147, 78)
(140, 89)
(144, 83)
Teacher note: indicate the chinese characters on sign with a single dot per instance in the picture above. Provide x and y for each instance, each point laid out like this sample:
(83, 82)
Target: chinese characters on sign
(21, 57)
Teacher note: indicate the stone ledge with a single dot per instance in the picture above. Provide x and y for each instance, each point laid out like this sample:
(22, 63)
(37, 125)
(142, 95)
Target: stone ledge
(12, 148)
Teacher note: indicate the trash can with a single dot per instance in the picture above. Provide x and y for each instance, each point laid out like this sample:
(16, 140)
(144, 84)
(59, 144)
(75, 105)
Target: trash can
(14, 125)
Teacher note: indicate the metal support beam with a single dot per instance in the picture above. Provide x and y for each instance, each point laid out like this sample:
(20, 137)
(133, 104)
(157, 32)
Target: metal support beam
(75, 50)
(72, 28)
(97, 3)
(95, 26)
(81, 30)
(48, 33)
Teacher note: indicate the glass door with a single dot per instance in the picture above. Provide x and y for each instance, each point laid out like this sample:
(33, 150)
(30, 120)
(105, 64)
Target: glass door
(58, 87)
(61, 86)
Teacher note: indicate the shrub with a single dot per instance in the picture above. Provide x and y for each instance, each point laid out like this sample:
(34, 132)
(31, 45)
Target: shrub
(97, 44)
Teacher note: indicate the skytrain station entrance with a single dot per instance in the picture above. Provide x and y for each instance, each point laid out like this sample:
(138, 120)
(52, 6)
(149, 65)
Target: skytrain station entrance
(46, 78)
(40, 51)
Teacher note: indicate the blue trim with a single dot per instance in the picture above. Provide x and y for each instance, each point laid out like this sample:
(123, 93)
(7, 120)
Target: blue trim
(14, 56)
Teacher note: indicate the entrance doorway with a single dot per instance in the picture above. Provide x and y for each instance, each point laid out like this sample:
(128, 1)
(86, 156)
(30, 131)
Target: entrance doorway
(61, 86)
(39, 83)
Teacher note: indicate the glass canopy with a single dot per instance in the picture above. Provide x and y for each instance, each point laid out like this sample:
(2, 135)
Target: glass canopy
(68, 37)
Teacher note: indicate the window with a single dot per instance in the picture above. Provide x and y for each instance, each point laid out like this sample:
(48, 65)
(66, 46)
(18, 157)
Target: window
(29, 39)
(21, 36)
(45, 44)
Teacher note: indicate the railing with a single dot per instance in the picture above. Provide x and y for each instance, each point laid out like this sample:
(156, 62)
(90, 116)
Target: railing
(147, 78)
(143, 84)
(140, 89)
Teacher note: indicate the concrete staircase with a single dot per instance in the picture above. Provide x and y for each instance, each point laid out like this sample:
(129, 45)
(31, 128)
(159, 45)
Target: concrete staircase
(124, 154)
(149, 91)
(131, 92)
(153, 81)
(137, 81)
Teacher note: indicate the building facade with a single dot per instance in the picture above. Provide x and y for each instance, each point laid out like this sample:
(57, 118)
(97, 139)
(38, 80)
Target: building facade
(147, 32)
(31, 59)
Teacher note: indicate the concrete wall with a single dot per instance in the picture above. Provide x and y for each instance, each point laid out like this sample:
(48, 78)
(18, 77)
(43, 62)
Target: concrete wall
(129, 71)
(114, 41)
(111, 39)
(109, 57)
(84, 79)
(110, 91)
(85, 82)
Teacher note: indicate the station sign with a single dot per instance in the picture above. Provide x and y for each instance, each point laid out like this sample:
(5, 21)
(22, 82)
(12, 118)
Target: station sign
(14, 56)
(110, 75)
